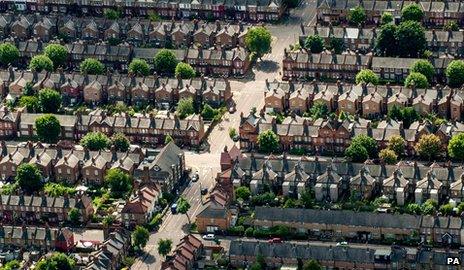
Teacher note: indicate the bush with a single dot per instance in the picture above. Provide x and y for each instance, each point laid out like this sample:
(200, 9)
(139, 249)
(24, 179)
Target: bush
(8, 54)
(367, 76)
(111, 14)
(236, 230)
(388, 156)
(357, 16)
(249, 232)
(416, 79)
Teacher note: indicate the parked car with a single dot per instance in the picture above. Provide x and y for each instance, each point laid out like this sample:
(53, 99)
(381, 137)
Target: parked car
(275, 240)
(174, 208)
(195, 177)
(209, 236)
(204, 191)
(339, 244)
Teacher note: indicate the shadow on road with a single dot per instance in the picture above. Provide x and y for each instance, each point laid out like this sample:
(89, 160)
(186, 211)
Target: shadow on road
(186, 228)
(267, 66)
(149, 258)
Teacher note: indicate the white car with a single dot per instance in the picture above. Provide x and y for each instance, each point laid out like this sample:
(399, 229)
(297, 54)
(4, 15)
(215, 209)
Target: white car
(209, 236)
(342, 244)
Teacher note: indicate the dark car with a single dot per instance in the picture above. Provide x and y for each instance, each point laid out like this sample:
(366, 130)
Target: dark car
(204, 191)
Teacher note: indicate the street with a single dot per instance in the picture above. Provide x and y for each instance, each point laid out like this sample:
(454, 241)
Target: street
(247, 93)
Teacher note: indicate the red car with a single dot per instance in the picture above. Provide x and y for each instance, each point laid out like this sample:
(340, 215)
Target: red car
(275, 240)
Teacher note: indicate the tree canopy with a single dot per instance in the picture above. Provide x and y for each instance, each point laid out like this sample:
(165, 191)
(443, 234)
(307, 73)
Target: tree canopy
(49, 100)
(48, 128)
(243, 193)
(268, 141)
(412, 12)
(424, 67)
(9, 54)
(397, 144)
(388, 156)
(258, 40)
(41, 62)
(456, 147)
(91, 66)
(185, 107)
(386, 18)
(165, 62)
(367, 76)
(28, 177)
(428, 146)
(356, 153)
(455, 73)
(139, 67)
(120, 142)
(119, 182)
(184, 71)
(314, 43)
(58, 261)
(386, 42)
(57, 53)
(411, 39)
(140, 237)
(183, 207)
(164, 247)
(416, 79)
(367, 142)
(95, 141)
(357, 16)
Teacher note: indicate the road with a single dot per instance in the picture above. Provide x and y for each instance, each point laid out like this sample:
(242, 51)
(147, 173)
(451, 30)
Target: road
(247, 93)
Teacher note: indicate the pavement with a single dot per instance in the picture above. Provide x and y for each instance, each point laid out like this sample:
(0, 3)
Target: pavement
(247, 93)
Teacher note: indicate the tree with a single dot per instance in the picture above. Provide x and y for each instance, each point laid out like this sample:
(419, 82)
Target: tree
(49, 100)
(139, 67)
(356, 153)
(140, 237)
(41, 62)
(119, 182)
(30, 102)
(111, 14)
(455, 73)
(74, 215)
(446, 209)
(95, 141)
(357, 16)
(183, 207)
(91, 66)
(165, 62)
(58, 261)
(28, 177)
(232, 133)
(318, 110)
(168, 139)
(307, 198)
(416, 79)
(314, 43)
(397, 144)
(243, 193)
(208, 112)
(185, 107)
(312, 265)
(57, 53)
(11, 265)
(48, 128)
(367, 76)
(411, 39)
(120, 142)
(268, 141)
(9, 54)
(412, 12)
(386, 42)
(428, 146)
(184, 71)
(388, 156)
(164, 247)
(409, 115)
(386, 18)
(337, 45)
(258, 40)
(367, 142)
(456, 147)
(413, 209)
(424, 67)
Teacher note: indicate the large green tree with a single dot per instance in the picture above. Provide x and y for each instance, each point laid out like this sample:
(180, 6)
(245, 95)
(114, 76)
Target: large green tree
(49, 100)
(28, 177)
(314, 43)
(388, 156)
(139, 67)
(164, 246)
(95, 141)
(184, 71)
(165, 62)
(411, 39)
(424, 67)
(416, 79)
(455, 73)
(9, 54)
(119, 182)
(120, 142)
(367, 76)
(41, 62)
(268, 141)
(58, 261)
(356, 153)
(368, 143)
(397, 144)
(386, 42)
(140, 237)
(456, 147)
(57, 53)
(258, 40)
(185, 107)
(429, 146)
(183, 207)
(91, 66)
(386, 18)
(357, 16)
(412, 12)
(48, 128)
(312, 265)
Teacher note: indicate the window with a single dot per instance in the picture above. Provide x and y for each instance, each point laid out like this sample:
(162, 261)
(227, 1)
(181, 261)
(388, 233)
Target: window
(96, 173)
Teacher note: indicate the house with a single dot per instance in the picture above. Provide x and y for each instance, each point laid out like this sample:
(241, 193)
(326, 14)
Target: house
(111, 252)
(185, 255)
(42, 238)
(139, 209)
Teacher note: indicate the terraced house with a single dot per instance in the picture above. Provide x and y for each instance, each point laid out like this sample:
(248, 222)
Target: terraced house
(364, 100)
(266, 10)
(333, 180)
(436, 13)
